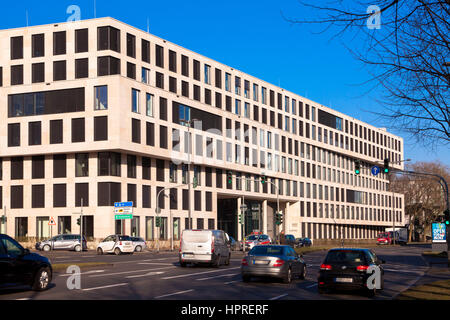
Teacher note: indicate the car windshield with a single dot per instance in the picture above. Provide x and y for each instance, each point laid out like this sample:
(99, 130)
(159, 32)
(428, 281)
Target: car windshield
(263, 237)
(345, 256)
(266, 251)
(290, 237)
(252, 237)
(124, 238)
(383, 235)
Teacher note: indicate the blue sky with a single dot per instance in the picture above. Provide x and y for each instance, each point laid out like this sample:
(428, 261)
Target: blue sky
(251, 36)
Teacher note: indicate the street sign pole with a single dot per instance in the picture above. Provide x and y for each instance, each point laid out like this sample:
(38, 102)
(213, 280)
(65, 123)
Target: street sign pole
(81, 226)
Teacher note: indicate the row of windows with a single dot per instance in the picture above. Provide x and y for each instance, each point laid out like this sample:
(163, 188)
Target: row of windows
(341, 231)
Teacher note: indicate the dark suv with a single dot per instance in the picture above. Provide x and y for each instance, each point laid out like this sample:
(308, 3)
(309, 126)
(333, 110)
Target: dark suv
(351, 268)
(19, 266)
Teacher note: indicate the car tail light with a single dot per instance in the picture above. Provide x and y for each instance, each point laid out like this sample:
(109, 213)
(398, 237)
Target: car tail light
(362, 268)
(278, 263)
(120, 243)
(244, 262)
(181, 239)
(212, 245)
(325, 267)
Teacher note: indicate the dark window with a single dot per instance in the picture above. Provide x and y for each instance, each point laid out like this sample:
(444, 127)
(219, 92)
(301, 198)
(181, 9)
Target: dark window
(59, 70)
(255, 113)
(100, 128)
(131, 193)
(160, 80)
(16, 48)
(150, 134)
(81, 192)
(16, 168)
(218, 100)
(37, 72)
(185, 66)
(163, 137)
(13, 134)
(108, 38)
(81, 40)
(78, 130)
(185, 199)
(38, 196)
(197, 201)
(218, 178)
(218, 78)
(38, 167)
(161, 198)
(81, 68)
(34, 133)
(16, 197)
(146, 168)
(185, 89)
(59, 43)
(131, 45)
(173, 196)
(59, 195)
(37, 45)
(145, 51)
(109, 164)
(136, 130)
(196, 70)
(163, 108)
(228, 103)
(131, 70)
(208, 96)
(196, 92)
(108, 193)
(173, 84)
(159, 52)
(172, 61)
(108, 66)
(59, 166)
(146, 194)
(208, 201)
(16, 75)
(160, 165)
(56, 131)
(131, 166)
(1, 77)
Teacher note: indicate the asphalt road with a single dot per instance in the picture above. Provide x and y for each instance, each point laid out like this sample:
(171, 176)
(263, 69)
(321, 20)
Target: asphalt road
(156, 276)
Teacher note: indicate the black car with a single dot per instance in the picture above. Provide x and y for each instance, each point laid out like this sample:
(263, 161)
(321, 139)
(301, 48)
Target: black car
(20, 267)
(289, 240)
(303, 242)
(351, 268)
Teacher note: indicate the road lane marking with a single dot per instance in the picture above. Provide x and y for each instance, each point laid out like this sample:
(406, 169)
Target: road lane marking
(145, 275)
(193, 274)
(104, 287)
(222, 275)
(125, 272)
(410, 285)
(403, 271)
(159, 263)
(172, 294)
(24, 299)
(313, 285)
(82, 273)
(278, 297)
(232, 281)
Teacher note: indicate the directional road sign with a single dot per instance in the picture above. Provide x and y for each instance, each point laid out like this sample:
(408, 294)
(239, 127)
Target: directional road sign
(375, 170)
(124, 210)
(123, 204)
(123, 216)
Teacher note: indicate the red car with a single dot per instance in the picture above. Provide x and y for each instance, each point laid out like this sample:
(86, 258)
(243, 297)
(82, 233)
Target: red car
(384, 238)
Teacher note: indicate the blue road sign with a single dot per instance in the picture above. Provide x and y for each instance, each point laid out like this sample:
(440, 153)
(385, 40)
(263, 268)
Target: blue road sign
(123, 204)
(375, 170)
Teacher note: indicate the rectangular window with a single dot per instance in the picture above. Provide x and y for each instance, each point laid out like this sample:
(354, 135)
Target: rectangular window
(145, 52)
(81, 40)
(131, 166)
(101, 128)
(237, 85)
(16, 197)
(108, 193)
(228, 82)
(173, 84)
(78, 130)
(108, 38)
(81, 194)
(108, 65)
(172, 61)
(196, 70)
(59, 166)
(81, 164)
(59, 43)
(37, 72)
(38, 167)
(207, 74)
(56, 131)
(131, 45)
(218, 77)
(159, 80)
(16, 75)
(37, 45)
(145, 75)
(109, 164)
(16, 48)
(163, 137)
(101, 98)
(13, 134)
(59, 195)
(136, 130)
(150, 134)
(34, 133)
(131, 70)
(159, 53)
(149, 104)
(135, 100)
(184, 65)
(38, 196)
(81, 68)
(59, 70)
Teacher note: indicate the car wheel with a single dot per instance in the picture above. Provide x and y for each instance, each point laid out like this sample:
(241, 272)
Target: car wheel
(370, 293)
(42, 279)
(99, 251)
(227, 263)
(183, 264)
(288, 277)
(46, 248)
(246, 278)
(138, 249)
(216, 263)
(117, 251)
(77, 248)
(303, 274)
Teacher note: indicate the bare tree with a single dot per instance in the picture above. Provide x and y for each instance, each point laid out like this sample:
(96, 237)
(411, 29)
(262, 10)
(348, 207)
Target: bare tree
(424, 196)
(407, 57)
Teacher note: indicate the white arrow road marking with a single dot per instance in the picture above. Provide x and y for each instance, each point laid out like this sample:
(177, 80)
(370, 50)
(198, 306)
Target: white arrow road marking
(125, 272)
(175, 293)
(110, 286)
(147, 274)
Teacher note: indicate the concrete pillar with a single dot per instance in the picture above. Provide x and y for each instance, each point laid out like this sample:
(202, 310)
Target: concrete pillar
(286, 218)
(264, 216)
(238, 211)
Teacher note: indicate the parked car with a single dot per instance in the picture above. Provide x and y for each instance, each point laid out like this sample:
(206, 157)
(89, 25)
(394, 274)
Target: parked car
(298, 243)
(62, 242)
(116, 244)
(384, 238)
(20, 267)
(257, 239)
(278, 261)
(289, 240)
(204, 246)
(139, 244)
(345, 268)
(306, 242)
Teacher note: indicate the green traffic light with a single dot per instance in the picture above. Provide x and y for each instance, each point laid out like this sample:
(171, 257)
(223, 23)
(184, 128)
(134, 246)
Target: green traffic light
(386, 170)
(446, 222)
(357, 171)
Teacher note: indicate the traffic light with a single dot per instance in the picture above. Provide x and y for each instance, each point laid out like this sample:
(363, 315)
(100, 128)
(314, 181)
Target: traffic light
(263, 179)
(158, 222)
(240, 219)
(195, 183)
(79, 221)
(447, 217)
(386, 165)
(278, 218)
(357, 166)
(230, 177)
(3, 219)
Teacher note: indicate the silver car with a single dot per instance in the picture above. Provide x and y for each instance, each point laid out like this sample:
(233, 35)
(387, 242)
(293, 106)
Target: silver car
(62, 242)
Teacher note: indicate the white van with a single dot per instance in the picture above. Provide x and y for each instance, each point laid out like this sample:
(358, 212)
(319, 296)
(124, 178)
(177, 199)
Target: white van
(204, 246)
